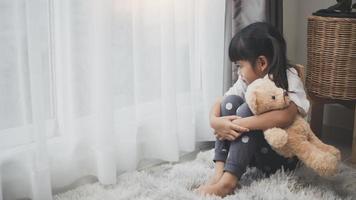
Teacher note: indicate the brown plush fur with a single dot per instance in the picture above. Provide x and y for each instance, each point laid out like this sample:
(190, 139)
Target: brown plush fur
(297, 139)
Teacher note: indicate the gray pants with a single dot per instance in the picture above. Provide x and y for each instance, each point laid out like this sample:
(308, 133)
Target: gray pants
(250, 149)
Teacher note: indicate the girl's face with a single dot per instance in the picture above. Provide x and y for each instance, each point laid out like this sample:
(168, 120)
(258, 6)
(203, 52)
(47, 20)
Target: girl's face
(249, 73)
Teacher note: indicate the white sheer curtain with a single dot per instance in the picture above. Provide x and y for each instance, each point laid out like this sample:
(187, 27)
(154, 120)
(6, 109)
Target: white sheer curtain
(93, 87)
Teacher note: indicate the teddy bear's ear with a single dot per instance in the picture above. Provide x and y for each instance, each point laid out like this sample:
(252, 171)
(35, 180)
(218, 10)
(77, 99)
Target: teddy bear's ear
(268, 77)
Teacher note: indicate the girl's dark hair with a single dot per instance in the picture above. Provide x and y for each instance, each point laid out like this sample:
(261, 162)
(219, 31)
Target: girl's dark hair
(262, 39)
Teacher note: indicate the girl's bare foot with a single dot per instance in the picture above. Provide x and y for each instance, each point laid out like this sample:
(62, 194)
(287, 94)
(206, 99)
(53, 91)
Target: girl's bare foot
(213, 180)
(225, 186)
(219, 171)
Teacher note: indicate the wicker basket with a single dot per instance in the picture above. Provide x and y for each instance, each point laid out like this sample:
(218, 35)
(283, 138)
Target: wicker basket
(331, 68)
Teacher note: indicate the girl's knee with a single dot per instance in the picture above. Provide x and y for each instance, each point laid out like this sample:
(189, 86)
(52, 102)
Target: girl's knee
(244, 111)
(230, 104)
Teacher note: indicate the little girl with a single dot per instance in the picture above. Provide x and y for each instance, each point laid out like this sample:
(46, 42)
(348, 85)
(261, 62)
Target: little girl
(260, 51)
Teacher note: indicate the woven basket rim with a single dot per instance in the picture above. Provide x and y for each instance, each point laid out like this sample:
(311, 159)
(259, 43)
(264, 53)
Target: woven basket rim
(334, 19)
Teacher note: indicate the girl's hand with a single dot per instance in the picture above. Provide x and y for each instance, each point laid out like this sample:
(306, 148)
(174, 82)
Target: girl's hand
(237, 121)
(225, 128)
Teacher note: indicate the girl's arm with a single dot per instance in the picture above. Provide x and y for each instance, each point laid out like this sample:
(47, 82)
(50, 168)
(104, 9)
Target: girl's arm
(223, 126)
(276, 118)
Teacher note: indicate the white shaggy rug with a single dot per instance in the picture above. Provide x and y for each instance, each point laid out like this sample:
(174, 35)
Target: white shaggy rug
(175, 182)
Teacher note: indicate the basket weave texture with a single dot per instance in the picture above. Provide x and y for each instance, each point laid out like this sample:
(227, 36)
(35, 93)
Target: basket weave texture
(331, 65)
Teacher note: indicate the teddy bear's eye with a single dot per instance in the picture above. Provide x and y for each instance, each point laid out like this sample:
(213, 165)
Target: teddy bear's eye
(273, 97)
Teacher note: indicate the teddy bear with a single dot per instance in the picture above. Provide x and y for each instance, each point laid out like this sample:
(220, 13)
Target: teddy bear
(298, 139)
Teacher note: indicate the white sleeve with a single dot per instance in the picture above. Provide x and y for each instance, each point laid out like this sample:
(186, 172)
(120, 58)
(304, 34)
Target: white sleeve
(239, 88)
(298, 95)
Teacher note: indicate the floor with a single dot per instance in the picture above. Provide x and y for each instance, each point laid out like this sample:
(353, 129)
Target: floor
(338, 137)
(342, 139)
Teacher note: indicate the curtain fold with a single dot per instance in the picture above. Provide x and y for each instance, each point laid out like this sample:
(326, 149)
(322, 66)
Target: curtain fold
(95, 88)
(274, 13)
